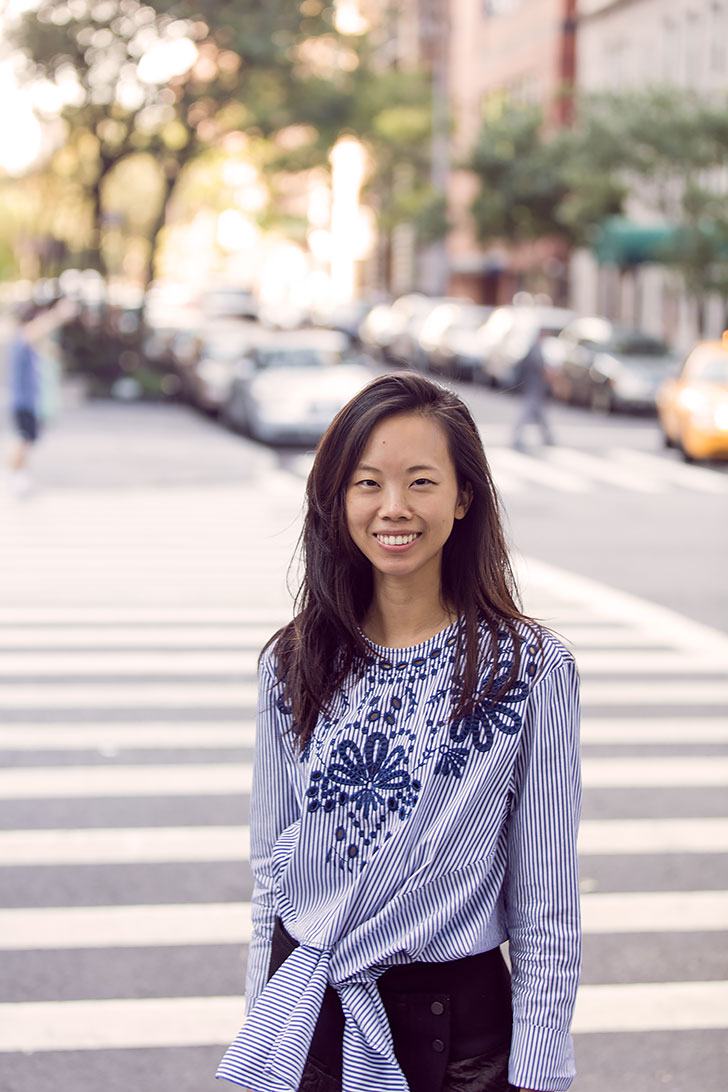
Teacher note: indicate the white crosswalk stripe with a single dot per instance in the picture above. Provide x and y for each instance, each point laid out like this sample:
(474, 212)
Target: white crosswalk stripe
(572, 470)
(36, 782)
(697, 478)
(205, 1021)
(110, 737)
(139, 665)
(143, 780)
(600, 470)
(229, 922)
(117, 845)
(243, 663)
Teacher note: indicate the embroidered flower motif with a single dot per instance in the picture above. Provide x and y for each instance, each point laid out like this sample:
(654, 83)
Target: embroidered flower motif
(451, 761)
(472, 725)
(373, 773)
(477, 729)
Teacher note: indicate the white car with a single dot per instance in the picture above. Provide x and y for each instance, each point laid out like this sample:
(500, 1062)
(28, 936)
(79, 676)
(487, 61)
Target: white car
(296, 386)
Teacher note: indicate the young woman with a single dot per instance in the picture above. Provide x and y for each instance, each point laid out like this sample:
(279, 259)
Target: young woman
(416, 785)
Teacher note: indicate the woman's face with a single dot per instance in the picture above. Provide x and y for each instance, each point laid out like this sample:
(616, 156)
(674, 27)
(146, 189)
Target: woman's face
(402, 499)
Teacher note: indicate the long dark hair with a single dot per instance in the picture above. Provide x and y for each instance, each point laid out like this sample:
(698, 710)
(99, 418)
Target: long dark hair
(316, 650)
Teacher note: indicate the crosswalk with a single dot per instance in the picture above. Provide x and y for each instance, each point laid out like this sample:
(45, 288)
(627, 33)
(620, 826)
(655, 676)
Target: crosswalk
(576, 472)
(128, 643)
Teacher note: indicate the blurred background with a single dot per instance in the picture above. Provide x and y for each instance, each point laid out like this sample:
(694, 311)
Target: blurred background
(250, 210)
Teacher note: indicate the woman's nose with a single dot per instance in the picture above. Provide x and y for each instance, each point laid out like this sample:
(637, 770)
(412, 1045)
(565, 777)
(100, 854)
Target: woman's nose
(393, 503)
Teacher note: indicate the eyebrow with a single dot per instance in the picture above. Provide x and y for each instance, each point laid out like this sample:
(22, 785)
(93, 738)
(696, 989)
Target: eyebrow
(409, 470)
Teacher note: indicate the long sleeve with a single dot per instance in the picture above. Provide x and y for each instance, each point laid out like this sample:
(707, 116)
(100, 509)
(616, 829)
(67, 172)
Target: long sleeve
(273, 807)
(542, 885)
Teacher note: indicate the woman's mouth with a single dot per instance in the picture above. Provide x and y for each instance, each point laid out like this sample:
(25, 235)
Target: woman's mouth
(397, 544)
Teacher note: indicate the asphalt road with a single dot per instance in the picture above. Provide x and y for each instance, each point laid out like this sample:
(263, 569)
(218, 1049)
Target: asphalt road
(136, 586)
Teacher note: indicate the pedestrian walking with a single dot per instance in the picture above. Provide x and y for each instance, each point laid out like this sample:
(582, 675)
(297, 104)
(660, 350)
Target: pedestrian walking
(534, 392)
(27, 396)
(416, 786)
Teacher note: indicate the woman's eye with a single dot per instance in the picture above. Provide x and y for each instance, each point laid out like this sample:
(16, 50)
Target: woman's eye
(423, 481)
(366, 481)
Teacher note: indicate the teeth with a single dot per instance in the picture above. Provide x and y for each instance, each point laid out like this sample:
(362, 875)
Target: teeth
(396, 540)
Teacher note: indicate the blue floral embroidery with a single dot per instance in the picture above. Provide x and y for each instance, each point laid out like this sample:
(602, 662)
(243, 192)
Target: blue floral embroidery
(368, 777)
(371, 774)
(451, 761)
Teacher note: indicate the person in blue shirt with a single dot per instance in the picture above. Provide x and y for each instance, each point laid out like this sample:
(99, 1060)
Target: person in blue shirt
(416, 784)
(35, 322)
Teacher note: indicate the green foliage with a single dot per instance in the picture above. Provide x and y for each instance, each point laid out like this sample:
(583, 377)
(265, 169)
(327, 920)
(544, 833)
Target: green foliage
(533, 184)
(667, 147)
(663, 148)
(248, 75)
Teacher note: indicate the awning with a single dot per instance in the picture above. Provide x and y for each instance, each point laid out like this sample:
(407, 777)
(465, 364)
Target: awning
(624, 242)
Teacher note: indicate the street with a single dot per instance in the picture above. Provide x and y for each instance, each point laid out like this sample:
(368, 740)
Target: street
(138, 584)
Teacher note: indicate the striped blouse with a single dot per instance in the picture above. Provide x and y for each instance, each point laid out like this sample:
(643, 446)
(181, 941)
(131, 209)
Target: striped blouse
(397, 836)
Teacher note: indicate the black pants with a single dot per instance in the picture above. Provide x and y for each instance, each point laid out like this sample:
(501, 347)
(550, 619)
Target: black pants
(450, 1022)
(26, 424)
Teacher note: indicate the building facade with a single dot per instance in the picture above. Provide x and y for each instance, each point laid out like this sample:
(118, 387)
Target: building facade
(523, 50)
(631, 45)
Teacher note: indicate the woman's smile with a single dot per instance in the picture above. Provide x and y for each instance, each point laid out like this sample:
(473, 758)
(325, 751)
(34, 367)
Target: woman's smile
(397, 543)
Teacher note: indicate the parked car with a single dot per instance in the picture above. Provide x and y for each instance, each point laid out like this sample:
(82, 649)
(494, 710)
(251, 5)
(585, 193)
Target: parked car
(347, 318)
(290, 386)
(386, 322)
(221, 357)
(229, 301)
(449, 338)
(508, 335)
(405, 347)
(608, 367)
(282, 314)
(693, 406)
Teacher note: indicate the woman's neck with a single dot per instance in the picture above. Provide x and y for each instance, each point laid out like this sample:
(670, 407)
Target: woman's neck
(397, 619)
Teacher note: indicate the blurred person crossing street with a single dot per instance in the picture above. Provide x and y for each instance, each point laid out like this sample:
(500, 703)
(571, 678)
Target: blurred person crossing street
(533, 391)
(32, 399)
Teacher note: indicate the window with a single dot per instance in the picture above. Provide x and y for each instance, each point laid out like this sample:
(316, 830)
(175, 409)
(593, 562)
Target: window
(671, 51)
(718, 44)
(694, 57)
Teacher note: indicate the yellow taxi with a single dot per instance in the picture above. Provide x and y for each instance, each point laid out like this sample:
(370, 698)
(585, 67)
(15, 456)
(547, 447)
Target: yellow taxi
(693, 407)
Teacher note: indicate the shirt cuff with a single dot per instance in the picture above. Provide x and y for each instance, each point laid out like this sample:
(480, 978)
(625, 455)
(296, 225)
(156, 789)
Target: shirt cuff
(541, 1058)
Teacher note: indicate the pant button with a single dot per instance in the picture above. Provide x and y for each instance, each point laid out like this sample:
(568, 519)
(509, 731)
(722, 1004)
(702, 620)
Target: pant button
(437, 1008)
(438, 1045)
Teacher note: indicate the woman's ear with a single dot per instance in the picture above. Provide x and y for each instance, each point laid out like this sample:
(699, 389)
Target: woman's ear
(465, 497)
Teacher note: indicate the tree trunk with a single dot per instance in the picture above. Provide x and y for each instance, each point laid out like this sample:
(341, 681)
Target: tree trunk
(170, 177)
(94, 254)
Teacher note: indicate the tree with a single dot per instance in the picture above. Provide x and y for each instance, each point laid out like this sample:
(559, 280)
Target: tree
(668, 149)
(661, 151)
(168, 78)
(535, 184)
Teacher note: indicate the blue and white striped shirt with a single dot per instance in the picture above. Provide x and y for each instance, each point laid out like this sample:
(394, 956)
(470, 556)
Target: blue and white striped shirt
(397, 836)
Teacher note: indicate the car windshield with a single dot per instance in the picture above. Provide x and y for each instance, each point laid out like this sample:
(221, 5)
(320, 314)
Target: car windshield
(630, 343)
(296, 358)
(223, 350)
(714, 369)
(472, 318)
